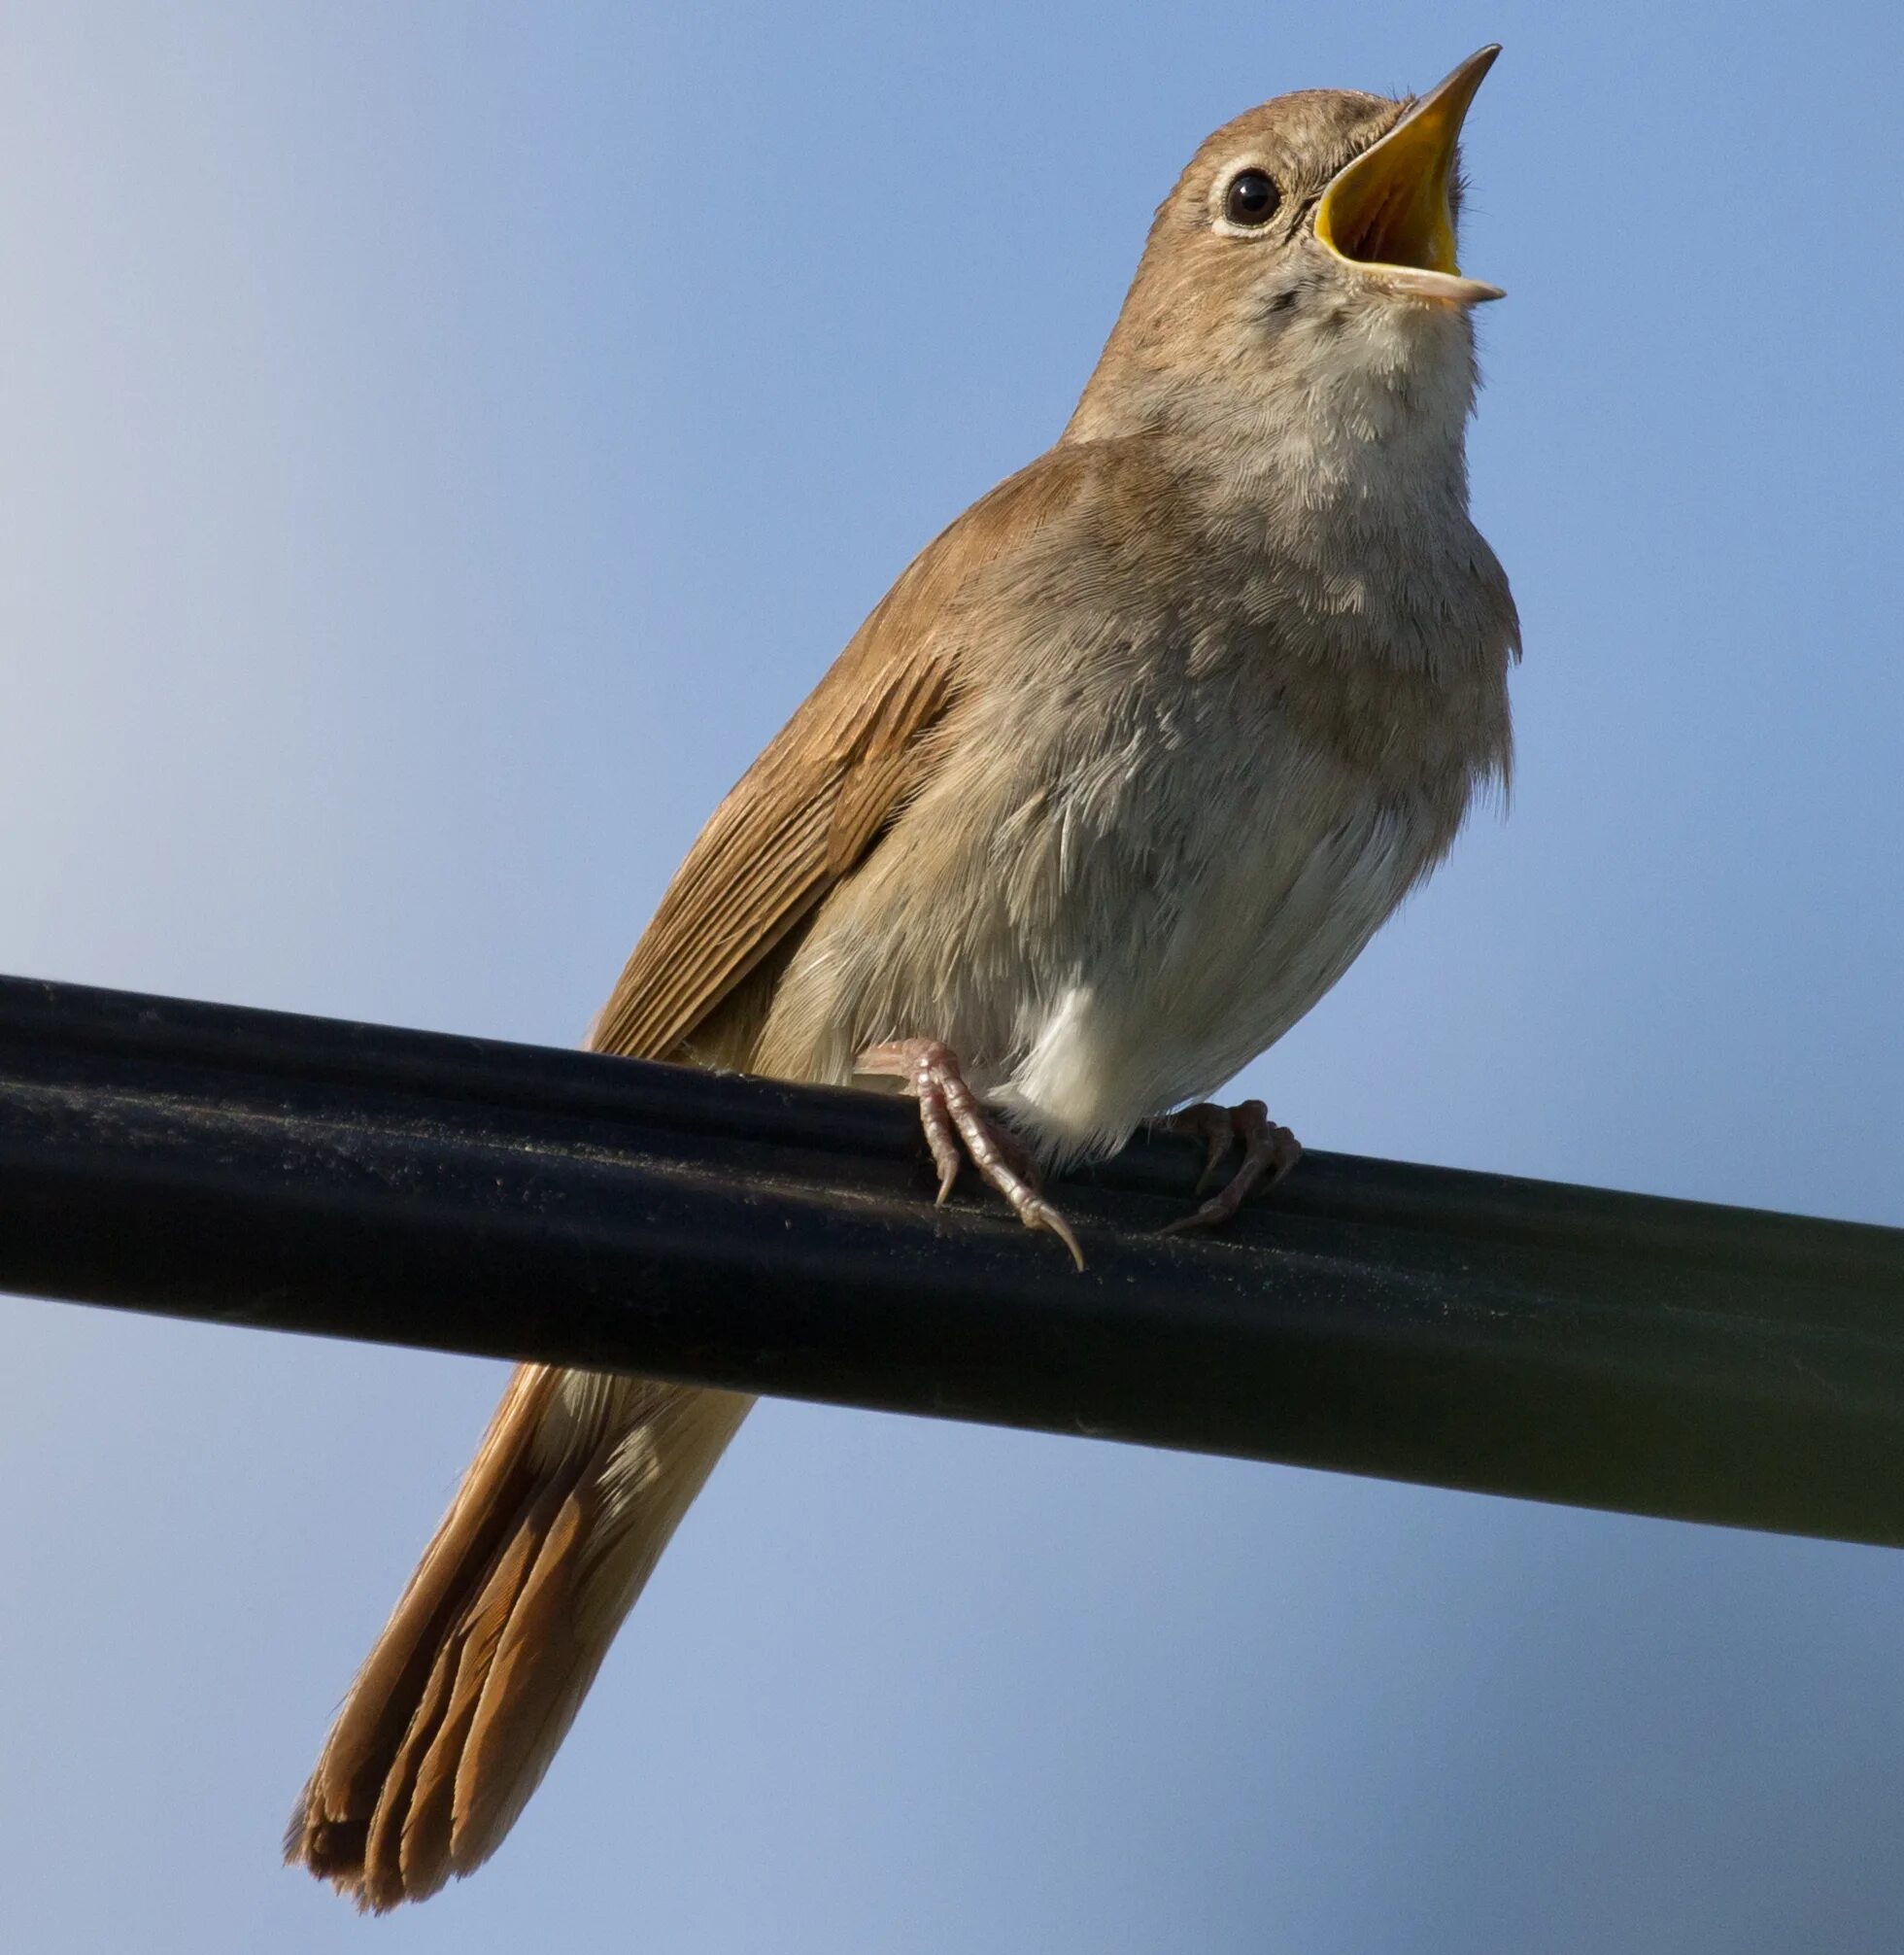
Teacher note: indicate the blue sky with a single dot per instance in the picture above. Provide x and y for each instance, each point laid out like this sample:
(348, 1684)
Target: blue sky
(437, 446)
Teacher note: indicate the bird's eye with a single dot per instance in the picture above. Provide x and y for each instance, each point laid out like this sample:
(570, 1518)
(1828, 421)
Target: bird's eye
(1251, 198)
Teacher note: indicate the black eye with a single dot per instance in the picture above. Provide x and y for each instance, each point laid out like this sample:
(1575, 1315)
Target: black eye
(1251, 198)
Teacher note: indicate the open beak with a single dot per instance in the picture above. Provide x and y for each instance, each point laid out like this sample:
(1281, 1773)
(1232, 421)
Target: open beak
(1388, 212)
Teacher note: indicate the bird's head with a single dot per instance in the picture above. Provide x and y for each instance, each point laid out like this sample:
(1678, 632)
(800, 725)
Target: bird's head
(1307, 253)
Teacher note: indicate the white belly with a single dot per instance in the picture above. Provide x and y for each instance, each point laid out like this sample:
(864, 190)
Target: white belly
(1243, 944)
(1103, 935)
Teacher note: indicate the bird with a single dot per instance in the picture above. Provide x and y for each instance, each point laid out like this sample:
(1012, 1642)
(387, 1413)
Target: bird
(1124, 771)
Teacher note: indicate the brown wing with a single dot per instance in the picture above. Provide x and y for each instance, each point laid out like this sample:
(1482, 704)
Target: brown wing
(813, 802)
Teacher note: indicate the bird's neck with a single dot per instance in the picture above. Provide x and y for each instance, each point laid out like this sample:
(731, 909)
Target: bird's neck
(1362, 420)
(1337, 479)
(1358, 481)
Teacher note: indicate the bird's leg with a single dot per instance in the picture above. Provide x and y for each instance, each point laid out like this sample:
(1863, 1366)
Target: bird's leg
(958, 1128)
(1269, 1152)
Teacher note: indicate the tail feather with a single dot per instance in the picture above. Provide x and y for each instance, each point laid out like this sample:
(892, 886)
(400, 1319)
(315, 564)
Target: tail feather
(460, 1704)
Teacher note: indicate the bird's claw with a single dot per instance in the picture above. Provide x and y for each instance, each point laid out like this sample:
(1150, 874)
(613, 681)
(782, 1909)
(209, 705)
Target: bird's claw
(958, 1128)
(1269, 1152)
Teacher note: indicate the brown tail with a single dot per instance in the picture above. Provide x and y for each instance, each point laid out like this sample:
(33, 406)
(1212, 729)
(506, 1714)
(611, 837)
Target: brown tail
(460, 1706)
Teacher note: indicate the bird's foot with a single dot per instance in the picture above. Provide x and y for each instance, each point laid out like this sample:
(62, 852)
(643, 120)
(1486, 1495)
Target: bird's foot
(958, 1128)
(1269, 1152)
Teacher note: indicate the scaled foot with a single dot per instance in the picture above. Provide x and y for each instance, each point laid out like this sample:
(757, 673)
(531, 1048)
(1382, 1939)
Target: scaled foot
(959, 1129)
(1269, 1152)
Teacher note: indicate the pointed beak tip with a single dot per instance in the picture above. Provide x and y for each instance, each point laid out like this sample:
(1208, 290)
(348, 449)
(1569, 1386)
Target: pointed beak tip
(1458, 88)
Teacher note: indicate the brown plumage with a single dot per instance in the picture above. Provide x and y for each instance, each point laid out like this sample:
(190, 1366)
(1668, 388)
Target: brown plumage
(1114, 783)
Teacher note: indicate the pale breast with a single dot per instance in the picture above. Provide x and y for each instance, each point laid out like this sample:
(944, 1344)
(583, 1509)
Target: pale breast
(1189, 770)
(1263, 870)
(1242, 949)
(1106, 905)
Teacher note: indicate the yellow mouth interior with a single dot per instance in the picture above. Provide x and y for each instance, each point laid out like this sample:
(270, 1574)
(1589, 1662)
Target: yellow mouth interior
(1393, 204)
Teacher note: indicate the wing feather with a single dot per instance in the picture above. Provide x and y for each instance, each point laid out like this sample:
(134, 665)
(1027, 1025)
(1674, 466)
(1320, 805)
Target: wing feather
(806, 811)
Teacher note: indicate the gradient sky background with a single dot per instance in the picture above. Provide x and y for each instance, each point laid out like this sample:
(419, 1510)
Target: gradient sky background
(438, 444)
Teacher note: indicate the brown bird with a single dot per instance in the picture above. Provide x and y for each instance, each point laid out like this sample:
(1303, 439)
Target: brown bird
(1110, 788)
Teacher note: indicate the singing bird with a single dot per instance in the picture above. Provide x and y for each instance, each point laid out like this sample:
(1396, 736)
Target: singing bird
(1119, 776)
